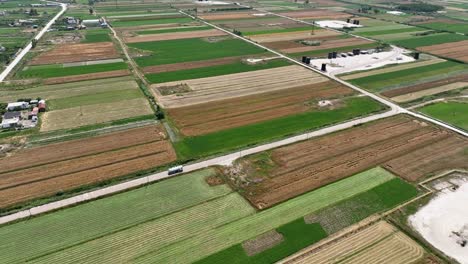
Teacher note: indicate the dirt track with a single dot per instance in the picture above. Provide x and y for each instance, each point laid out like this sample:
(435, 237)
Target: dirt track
(309, 165)
(77, 52)
(84, 77)
(72, 164)
(239, 84)
(175, 35)
(210, 117)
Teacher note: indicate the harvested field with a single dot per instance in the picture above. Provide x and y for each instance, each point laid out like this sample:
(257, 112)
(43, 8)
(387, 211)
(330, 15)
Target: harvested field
(215, 116)
(65, 166)
(454, 50)
(329, 44)
(262, 242)
(94, 114)
(431, 91)
(84, 77)
(308, 165)
(446, 82)
(378, 243)
(391, 69)
(176, 35)
(230, 15)
(190, 65)
(77, 52)
(236, 85)
(262, 38)
(316, 14)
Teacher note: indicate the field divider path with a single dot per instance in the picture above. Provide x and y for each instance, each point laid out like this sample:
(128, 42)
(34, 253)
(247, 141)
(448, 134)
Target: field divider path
(376, 97)
(28, 47)
(220, 160)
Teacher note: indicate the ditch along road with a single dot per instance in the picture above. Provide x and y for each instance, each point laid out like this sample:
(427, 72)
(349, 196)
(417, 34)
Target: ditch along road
(219, 160)
(28, 47)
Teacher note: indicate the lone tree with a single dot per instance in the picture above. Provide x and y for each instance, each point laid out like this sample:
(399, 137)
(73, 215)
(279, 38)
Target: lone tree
(33, 43)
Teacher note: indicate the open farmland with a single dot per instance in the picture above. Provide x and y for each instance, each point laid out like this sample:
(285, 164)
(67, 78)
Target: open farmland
(67, 53)
(69, 165)
(295, 35)
(431, 39)
(397, 79)
(315, 14)
(219, 219)
(95, 114)
(223, 114)
(163, 51)
(134, 21)
(235, 85)
(378, 243)
(175, 35)
(454, 50)
(61, 70)
(232, 15)
(452, 112)
(308, 165)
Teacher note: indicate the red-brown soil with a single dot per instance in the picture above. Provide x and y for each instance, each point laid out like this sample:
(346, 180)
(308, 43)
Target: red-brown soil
(77, 52)
(84, 77)
(219, 115)
(311, 164)
(44, 171)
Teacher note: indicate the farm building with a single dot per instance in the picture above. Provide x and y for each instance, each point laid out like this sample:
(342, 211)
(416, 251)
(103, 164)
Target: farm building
(8, 123)
(33, 113)
(11, 115)
(17, 105)
(42, 106)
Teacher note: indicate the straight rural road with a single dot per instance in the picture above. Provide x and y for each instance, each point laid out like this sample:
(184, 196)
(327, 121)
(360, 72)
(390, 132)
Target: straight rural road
(228, 158)
(28, 47)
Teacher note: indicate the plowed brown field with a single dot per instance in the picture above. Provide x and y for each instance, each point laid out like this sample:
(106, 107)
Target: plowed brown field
(454, 50)
(76, 53)
(84, 77)
(236, 85)
(210, 117)
(176, 35)
(311, 164)
(43, 171)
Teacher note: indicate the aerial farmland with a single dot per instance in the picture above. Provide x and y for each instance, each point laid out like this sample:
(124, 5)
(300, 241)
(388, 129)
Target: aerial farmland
(261, 131)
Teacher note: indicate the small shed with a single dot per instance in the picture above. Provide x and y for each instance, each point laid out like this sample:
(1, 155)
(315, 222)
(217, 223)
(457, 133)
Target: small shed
(9, 123)
(33, 113)
(42, 106)
(12, 115)
(16, 105)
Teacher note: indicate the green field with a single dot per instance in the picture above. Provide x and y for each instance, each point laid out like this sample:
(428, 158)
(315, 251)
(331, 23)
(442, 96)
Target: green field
(172, 30)
(433, 39)
(134, 23)
(298, 235)
(455, 113)
(236, 67)
(455, 27)
(324, 52)
(179, 220)
(389, 31)
(57, 70)
(95, 98)
(235, 138)
(379, 82)
(182, 50)
(93, 36)
(283, 30)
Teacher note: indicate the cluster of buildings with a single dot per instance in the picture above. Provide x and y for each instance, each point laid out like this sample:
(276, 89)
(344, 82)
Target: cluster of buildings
(75, 23)
(23, 114)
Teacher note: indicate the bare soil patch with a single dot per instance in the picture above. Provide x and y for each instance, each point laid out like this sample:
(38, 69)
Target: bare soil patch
(262, 242)
(68, 165)
(175, 89)
(236, 85)
(89, 76)
(175, 35)
(77, 52)
(210, 117)
(308, 165)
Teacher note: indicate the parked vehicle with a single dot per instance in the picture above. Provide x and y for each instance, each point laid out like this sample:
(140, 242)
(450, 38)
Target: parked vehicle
(176, 169)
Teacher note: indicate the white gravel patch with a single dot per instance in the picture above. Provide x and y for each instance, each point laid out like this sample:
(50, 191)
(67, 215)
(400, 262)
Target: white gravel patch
(212, 2)
(397, 13)
(441, 218)
(363, 61)
(335, 24)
